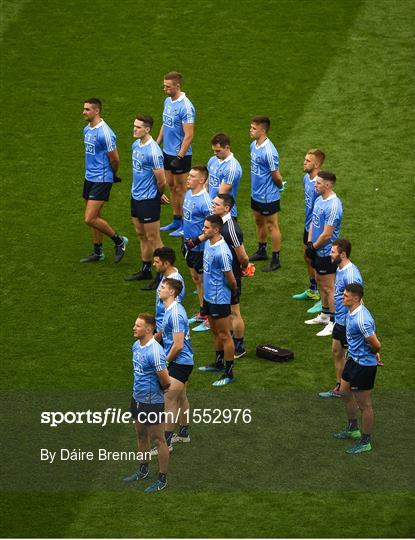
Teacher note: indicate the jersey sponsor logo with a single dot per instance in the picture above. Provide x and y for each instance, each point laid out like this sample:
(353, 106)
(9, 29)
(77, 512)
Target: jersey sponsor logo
(168, 120)
(213, 181)
(254, 168)
(187, 214)
(316, 220)
(138, 368)
(89, 148)
(137, 165)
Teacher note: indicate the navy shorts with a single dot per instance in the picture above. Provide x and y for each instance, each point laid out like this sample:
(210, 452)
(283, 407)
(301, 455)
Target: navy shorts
(146, 211)
(305, 237)
(144, 410)
(194, 259)
(359, 377)
(339, 333)
(96, 191)
(323, 265)
(216, 311)
(266, 209)
(181, 372)
(185, 164)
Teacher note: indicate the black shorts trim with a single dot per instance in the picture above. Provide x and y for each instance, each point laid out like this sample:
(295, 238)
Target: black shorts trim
(146, 211)
(339, 333)
(359, 377)
(235, 297)
(181, 372)
(185, 164)
(96, 191)
(194, 259)
(323, 265)
(141, 411)
(266, 209)
(305, 237)
(216, 311)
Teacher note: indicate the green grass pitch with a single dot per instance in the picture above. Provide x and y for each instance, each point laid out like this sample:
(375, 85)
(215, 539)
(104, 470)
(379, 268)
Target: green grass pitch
(338, 75)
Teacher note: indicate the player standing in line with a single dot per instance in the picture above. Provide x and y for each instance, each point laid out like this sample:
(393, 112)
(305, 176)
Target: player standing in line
(163, 261)
(177, 135)
(324, 229)
(146, 195)
(101, 165)
(219, 284)
(197, 205)
(359, 373)
(225, 172)
(151, 379)
(179, 357)
(313, 161)
(233, 236)
(266, 182)
(346, 274)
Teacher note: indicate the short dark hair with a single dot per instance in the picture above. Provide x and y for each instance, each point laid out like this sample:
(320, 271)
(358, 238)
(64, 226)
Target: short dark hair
(227, 199)
(344, 246)
(215, 220)
(327, 175)
(165, 253)
(147, 120)
(173, 76)
(148, 319)
(355, 288)
(319, 154)
(97, 103)
(174, 284)
(221, 139)
(202, 169)
(263, 120)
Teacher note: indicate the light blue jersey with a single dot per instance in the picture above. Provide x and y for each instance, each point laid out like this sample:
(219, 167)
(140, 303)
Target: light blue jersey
(326, 212)
(227, 171)
(175, 114)
(360, 325)
(310, 195)
(99, 140)
(195, 209)
(147, 361)
(344, 276)
(174, 322)
(264, 160)
(146, 158)
(159, 303)
(217, 259)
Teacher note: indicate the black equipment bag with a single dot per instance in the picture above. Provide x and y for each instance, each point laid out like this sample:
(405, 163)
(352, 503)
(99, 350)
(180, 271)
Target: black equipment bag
(274, 353)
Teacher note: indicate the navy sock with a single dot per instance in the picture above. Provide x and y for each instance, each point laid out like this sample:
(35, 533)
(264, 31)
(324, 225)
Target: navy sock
(313, 284)
(365, 438)
(177, 218)
(239, 342)
(97, 249)
(117, 239)
(262, 246)
(219, 356)
(352, 424)
(143, 468)
(163, 477)
(146, 266)
(275, 256)
(184, 431)
(168, 435)
(325, 310)
(331, 317)
(229, 368)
